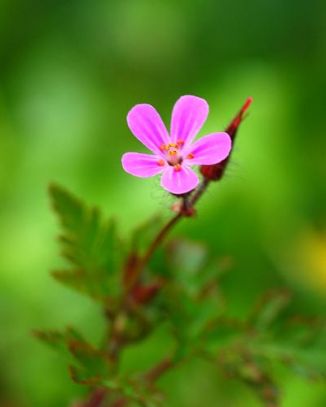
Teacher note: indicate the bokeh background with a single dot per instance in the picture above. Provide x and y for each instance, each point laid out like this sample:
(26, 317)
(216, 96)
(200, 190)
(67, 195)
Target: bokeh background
(70, 71)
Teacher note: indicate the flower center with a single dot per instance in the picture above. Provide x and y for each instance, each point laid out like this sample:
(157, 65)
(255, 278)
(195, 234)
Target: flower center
(173, 153)
(173, 156)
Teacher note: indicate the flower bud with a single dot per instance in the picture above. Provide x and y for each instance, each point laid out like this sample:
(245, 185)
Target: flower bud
(216, 171)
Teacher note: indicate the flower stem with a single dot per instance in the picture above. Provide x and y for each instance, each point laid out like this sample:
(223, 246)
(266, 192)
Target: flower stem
(95, 399)
(199, 191)
(159, 238)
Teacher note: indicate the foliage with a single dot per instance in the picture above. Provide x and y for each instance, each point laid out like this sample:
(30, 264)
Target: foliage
(187, 300)
(89, 246)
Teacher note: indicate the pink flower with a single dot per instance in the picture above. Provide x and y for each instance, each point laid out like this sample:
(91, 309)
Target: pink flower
(174, 154)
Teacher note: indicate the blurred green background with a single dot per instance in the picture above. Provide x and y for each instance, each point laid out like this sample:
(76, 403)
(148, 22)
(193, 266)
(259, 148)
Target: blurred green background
(69, 73)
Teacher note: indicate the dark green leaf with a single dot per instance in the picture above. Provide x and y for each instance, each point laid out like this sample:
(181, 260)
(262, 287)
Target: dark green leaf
(88, 243)
(54, 339)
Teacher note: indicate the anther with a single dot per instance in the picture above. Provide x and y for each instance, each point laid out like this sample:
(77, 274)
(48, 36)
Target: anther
(161, 163)
(177, 167)
(190, 156)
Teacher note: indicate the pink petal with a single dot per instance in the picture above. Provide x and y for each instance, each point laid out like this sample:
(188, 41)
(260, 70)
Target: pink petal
(146, 124)
(142, 165)
(188, 116)
(209, 150)
(179, 181)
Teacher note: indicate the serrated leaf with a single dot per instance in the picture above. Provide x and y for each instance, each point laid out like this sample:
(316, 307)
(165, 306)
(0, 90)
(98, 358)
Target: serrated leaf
(82, 376)
(83, 283)
(52, 338)
(89, 361)
(93, 360)
(299, 346)
(239, 363)
(88, 243)
(261, 382)
(89, 357)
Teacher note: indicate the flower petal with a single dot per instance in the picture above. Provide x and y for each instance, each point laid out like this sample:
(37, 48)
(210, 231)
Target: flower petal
(179, 181)
(146, 124)
(142, 165)
(188, 116)
(209, 149)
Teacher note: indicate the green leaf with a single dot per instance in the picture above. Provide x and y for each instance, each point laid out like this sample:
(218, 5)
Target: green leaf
(88, 243)
(82, 376)
(52, 338)
(220, 332)
(300, 344)
(269, 309)
(237, 362)
(89, 364)
(258, 378)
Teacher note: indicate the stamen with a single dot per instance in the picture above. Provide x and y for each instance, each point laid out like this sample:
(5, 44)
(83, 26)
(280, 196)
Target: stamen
(177, 167)
(172, 152)
(161, 163)
(190, 156)
(180, 143)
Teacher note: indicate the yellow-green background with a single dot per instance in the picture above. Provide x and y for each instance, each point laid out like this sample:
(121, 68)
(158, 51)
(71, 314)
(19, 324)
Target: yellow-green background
(69, 73)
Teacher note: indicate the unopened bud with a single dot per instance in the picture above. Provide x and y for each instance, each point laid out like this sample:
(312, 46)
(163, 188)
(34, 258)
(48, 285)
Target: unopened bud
(215, 172)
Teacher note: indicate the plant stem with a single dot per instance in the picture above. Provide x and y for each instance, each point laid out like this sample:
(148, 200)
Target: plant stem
(159, 238)
(96, 399)
(157, 371)
(199, 191)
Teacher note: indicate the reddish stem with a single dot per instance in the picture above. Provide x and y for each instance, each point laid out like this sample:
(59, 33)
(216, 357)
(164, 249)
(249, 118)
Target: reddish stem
(160, 237)
(95, 399)
(157, 371)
